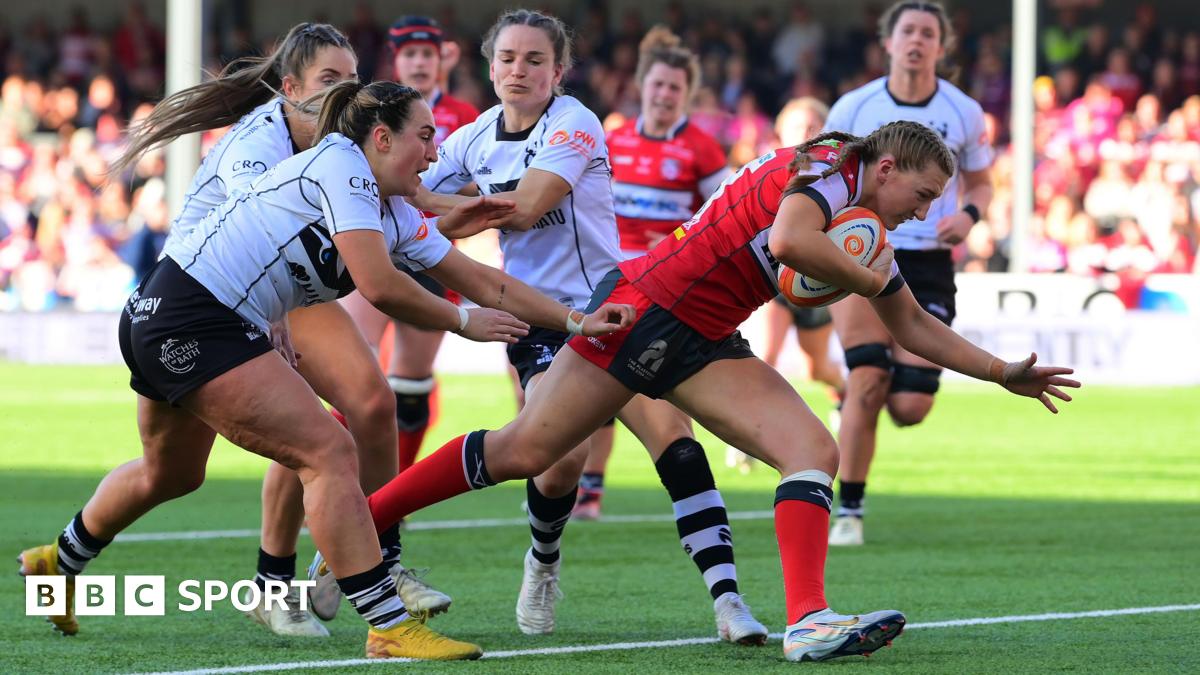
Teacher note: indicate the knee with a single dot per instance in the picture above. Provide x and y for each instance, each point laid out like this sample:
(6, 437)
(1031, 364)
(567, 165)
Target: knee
(375, 409)
(820, 452)
(174, 482)
(870, 374)
(909, 409)
(333, 454)
(911, 393)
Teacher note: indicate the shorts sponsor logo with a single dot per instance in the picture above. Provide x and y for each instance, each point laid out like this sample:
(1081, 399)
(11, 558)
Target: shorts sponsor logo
(597, 343)
(651, 360)
(179, 357)
(146, 305)
(546, 356)
(422, 231)
(252, 332)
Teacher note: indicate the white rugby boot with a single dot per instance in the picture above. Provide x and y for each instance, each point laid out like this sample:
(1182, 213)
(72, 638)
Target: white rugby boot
(846, 531)
(289, 619)
(735, 623)
(539, 594)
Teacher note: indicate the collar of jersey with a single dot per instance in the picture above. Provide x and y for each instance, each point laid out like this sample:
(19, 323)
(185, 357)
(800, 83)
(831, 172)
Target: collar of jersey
(671, 133)
(502, 135)
(913, 104)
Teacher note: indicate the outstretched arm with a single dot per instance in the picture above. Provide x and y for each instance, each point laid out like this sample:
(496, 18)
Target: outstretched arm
(920, 333)
(494, 288)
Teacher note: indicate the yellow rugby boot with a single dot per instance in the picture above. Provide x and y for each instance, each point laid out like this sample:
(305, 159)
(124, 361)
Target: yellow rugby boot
(43, 560)
(412, 639)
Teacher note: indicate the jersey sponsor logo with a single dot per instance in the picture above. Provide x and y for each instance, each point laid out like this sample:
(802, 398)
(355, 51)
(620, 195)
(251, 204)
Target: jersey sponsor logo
(365, 184)
(553, 217)
(146, 305)
(249, 165)
(179, 357)
(579, 141)
(422, 231)
(559, 137)
(483, 171)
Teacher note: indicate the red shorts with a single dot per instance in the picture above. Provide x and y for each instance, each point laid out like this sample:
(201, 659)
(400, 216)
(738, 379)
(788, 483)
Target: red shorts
(658, 351)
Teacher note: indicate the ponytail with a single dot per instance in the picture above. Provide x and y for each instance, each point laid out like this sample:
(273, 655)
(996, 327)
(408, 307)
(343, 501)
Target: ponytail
(240, 87)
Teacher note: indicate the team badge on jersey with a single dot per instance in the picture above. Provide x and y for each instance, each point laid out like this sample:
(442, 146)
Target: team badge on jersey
(671, 168)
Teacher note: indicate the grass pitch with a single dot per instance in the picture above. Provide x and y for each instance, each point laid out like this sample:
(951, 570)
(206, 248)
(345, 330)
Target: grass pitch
(991, 508)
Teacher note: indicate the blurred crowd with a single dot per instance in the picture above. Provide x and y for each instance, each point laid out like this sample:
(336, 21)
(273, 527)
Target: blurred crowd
(1117, 132)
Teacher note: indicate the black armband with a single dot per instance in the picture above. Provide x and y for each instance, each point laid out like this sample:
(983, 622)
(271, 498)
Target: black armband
(973, 211)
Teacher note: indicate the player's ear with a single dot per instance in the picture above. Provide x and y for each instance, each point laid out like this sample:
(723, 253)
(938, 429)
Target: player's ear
(291, 88)
(382, 137)
(884, 168)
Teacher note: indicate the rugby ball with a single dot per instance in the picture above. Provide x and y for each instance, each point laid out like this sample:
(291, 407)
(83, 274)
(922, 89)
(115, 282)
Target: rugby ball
(856, 231)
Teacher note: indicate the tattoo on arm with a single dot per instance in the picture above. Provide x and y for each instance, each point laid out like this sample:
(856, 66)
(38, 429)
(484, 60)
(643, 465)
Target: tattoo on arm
(500, 301)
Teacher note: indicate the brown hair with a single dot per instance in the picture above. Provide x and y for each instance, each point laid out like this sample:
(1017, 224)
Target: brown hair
(352, 108)
(662, 46)
(947, 38)
(552, 26)
(913, 144)
(241, 86)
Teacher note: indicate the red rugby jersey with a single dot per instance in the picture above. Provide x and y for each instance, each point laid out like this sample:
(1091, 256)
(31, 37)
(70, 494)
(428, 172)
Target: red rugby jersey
(449, 114)
(658, 183)
(716, 269)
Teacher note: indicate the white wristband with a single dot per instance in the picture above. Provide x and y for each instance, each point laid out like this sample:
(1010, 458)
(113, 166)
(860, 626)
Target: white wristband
(463, 319)
(575, 326)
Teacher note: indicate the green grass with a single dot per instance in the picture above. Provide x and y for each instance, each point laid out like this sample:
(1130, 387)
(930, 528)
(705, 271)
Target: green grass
(991, 508)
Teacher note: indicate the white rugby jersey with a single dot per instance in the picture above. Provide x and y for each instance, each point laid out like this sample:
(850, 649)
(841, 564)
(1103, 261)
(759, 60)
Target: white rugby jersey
(574, 244)
(269, 249)
(950, 112)
(258, 141)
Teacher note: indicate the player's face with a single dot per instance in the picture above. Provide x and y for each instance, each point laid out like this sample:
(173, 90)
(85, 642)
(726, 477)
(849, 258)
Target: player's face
(915, 43)
(411, 151)
(664, 94)
(329, 66)
(523, 70)
(416, 65)
(905, 195)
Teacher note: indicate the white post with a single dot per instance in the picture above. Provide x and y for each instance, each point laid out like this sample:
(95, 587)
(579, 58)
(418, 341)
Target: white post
(1021, 125)
(184, 62)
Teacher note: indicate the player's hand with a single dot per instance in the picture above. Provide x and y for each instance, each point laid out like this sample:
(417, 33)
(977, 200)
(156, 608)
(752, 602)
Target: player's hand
(954, 228)
(882, 269)
(476, 215)
(281, 341)
(610, 318)
(492, 325)
(1023, 378)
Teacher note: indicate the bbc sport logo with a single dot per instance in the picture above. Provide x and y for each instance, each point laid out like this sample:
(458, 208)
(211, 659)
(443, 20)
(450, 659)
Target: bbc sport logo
(146, 595)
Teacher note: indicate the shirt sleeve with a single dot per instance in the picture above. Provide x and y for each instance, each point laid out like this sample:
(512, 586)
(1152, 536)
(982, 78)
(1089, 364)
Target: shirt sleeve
(449, 174)
(247, 159)
(575, 138)
(347, 191)
(711, 165)
(977, 155)
(831, 193)
(418, 244)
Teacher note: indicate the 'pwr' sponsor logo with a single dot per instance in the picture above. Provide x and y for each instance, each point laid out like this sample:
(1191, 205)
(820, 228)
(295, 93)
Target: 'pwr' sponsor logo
(579, 141)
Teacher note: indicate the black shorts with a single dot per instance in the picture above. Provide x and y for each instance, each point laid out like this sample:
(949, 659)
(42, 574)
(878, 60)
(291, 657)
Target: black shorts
(533, 353)
(806, 318)
(656, 353)
(175, 336)
(930, 275)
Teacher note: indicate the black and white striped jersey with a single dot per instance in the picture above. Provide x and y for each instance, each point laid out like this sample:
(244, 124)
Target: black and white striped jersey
(258, 141)
(269, 249)
(575, 243)
(950, 112)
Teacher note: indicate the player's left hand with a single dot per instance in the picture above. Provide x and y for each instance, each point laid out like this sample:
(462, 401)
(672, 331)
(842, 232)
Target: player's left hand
(476, 215)
(1041, 382)
(281, 341)
(610, 318)
(954, 228)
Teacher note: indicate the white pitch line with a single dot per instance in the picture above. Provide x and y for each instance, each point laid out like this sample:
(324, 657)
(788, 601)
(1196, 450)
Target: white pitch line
(429, 525)
(683, 642)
